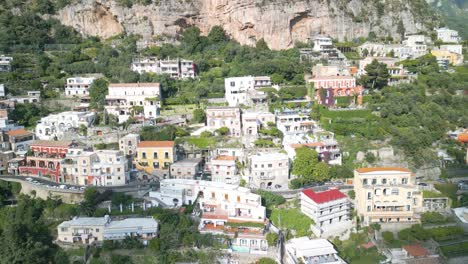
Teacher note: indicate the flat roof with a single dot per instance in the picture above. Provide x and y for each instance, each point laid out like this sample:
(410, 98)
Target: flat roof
(312, 247)
(128, 223)
(187, 162)
(116, 85)
(84, 221)
(268, 156)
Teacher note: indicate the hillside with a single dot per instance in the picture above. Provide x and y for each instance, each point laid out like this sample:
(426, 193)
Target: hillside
(454, 14)
(279, 22)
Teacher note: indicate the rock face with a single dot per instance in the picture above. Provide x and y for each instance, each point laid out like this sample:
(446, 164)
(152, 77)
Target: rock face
(279, 22)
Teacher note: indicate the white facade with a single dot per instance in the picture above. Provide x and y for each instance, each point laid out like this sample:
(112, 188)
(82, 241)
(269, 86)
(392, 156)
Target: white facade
(269, 171)
(418, 45)
(322, 43)
(89, 230)
(5, 63)
(448, 35)
(252, 122)
(185, 169)
(124, 99)
(230, 117)
(177, 68)
(98, 168)
(128, 144)
(306, 250)
(330, 211)
(56, 125)
(238, 89)
(387, 195)
(458, 49)
(224, 169)
(78, 86)
(2, 90)
(295, 123)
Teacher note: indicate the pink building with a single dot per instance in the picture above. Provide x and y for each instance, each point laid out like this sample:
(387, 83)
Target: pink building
(329, 87)
(230, 117)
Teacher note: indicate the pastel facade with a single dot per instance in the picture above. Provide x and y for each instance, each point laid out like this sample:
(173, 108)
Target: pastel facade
(140, 100)
(387, 195)
(46, 159)
(57, 125)
(306, 250)
(330, 211)
(230, 117)
(452, 58)
(176, 68)
(91, 230)
(98, 168)
(154, 156)
(269, 171)
(252, 122)
(397, 72)
(78, 86)
(329, 87)
(128, 144)
(20, 140)
(239, 90)
(224, 169)
(328, 150)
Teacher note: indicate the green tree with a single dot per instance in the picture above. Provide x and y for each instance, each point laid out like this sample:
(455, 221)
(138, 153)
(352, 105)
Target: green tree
(217, 34)
(97, 93)
(304, 163)
(376, 75)
(222, 131)
(321, 172)
(199, 116)
(277, 78)
(266, 261)
(262, 45)
(272, 239)
(270, 199)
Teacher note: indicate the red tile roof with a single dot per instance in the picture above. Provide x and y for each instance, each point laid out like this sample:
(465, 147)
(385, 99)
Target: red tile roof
(312, 144)
(365, 170)
(324, 197)
(51, 143)
(368, 245)
(156, 144)
(18, 133)
(225, 157)
(416, 250)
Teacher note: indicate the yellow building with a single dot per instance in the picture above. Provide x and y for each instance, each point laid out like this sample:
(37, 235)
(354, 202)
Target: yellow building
(453, 58)
(154, 156)
(387, 195)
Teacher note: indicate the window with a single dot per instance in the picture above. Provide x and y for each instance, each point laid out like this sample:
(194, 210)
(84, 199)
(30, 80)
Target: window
(270, 165)
(166, 155)
(374, 181)
(395, 191)
(364, 181)
(280, 164)
(156, 165)
(404, 181)
(255, 166)
(84, 170)
(408, 207)
(143, 155)
(384, 181)
(97, 230)
(408, 195)
(226, 196)
(155, 155)
(118, 169)
(368, 208)
(263, 166)
(369, 195)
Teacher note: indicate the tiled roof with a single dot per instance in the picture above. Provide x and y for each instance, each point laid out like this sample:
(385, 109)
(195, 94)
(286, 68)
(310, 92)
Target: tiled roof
(133, 85)
(225, 157)
(51, 143)
(416, 250)
(156, 144)
(18, 133)
(324, 197)
(312, 144)
(321, 78)
(366, 170)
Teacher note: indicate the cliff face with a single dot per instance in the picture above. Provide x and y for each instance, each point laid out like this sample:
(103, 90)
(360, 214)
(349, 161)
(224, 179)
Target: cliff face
(279, 22)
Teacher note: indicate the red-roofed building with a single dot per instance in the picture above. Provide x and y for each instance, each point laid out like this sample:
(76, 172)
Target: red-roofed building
(329, 209)
(20, 140)
(327, 88)
(45, 159)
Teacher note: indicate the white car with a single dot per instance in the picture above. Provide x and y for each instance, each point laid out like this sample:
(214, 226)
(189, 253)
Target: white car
(63, 187)
(29, 179)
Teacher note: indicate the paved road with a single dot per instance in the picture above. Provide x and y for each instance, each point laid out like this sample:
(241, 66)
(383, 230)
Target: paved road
(134, 186)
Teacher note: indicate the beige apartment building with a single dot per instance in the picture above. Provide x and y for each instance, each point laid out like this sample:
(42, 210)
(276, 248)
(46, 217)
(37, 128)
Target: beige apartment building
(387, 195)
(230, 117)
(224, 169)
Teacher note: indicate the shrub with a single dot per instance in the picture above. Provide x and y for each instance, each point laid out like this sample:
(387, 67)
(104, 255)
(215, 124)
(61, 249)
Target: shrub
(272, 239)
(433, 218)
(388, 236)
(271, 199)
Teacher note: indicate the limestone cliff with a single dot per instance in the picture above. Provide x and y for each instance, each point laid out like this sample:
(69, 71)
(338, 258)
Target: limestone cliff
(279, 22)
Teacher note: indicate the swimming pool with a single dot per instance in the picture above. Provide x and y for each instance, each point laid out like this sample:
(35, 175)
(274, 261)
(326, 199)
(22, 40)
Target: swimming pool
(240, 249)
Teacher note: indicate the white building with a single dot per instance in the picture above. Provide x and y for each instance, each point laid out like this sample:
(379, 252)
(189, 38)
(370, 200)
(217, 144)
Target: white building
(418, 45)
(242, 90)
(269, 171)
(98, 168)
(78, 86)
(5, 63)
(330, 211)
(128, 144)
(295, 123)
(230, 117)
(89, 230)
(252, 122)
(176, 68)
(2, 90)
(224, 169)
(57, 125)
(447, 35)
(322, 43)
(220, 204)
(185, 169)
(306, 250)
(140, 100)
(458, 49)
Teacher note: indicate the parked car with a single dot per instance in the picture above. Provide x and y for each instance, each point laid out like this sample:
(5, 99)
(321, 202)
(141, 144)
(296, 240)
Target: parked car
(29, 179)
